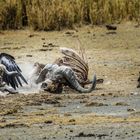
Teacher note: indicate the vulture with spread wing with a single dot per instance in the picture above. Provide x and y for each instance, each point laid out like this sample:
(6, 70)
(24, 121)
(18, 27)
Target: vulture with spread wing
(11, 74)
(70, 70)
(77, 62)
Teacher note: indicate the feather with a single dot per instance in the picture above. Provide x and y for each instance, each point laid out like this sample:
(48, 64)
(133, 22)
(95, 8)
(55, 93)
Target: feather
(71, 53)
(73, 62)
(76, 61)
(9, 62)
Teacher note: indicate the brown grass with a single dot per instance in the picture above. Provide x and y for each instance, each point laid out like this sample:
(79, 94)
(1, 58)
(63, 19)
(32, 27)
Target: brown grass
(56, 14)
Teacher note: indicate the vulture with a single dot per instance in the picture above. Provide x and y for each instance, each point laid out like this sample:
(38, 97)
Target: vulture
(78, 63)
(10, 72)
(69, 70)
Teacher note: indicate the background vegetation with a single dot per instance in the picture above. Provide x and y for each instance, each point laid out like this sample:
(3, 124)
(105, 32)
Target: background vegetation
(57, 14)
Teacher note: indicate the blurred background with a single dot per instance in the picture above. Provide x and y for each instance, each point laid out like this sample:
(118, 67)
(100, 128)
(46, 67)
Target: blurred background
(58, 14)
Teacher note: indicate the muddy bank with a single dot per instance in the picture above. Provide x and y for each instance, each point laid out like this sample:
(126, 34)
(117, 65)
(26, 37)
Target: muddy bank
(67, 116)
(112, 111)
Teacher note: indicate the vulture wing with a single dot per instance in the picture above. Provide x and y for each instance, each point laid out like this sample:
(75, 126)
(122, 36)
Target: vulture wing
(9, 62)
(77, 62)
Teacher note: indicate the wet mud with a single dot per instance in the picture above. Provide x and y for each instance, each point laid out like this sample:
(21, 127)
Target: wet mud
(111, 112)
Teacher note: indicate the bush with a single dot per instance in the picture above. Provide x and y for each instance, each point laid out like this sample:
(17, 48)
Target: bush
(57, 14)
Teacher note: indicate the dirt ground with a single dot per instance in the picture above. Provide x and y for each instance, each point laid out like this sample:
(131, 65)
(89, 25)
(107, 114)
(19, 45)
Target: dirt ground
(111, 112)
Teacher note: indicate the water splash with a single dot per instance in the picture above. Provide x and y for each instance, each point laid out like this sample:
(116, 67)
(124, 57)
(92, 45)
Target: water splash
(27, 71)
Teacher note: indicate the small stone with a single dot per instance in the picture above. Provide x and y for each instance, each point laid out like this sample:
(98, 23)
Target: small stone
(67, 114)
(96, 104)
(121, 104)
(72, 120)
(44, 138)
(43, 38)
(110, 94)
(131, 109)
(71, 130)
(48, 122)
(134, 93)
(29, 55)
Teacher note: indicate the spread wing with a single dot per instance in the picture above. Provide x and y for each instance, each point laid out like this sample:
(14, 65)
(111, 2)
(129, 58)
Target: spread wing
(9, 62)
(76, 61)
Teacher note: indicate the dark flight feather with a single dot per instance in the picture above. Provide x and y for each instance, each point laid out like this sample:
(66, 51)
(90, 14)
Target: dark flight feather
(9, 62)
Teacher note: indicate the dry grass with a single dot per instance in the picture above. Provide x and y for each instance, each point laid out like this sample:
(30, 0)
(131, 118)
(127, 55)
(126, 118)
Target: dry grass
(56, 14)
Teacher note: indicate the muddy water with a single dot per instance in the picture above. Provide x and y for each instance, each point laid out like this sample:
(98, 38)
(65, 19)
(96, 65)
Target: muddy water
(112, 111)
(78, 119)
